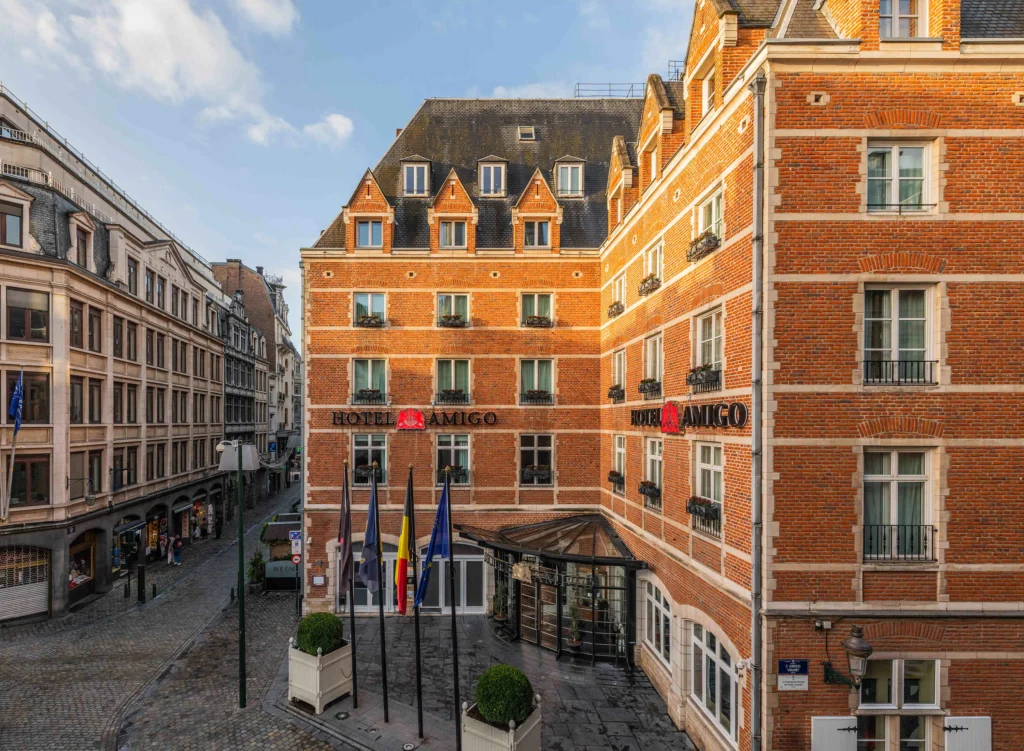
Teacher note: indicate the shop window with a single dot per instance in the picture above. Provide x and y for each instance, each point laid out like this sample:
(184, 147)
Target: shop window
(537, 234)
(36, 404)
(369, 234)
(453, 234)
(77, 400)
(367, 449)
(714, 680)
(81, 558)
(30, 483)
(658, 633)
(11, 220)
(95, 330)
(28, 315)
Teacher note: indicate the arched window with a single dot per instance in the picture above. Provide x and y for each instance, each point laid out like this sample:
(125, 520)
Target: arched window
(713, 679)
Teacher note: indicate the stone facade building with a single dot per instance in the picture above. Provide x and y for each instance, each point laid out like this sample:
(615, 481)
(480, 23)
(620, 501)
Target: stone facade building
(574, 297)
(114, 324)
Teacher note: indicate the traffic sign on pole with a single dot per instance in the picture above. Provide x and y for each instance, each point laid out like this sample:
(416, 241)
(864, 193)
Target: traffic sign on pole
(296, 559)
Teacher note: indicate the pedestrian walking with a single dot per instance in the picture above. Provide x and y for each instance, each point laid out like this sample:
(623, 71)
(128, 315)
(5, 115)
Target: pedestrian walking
(178, 545)
(170, 550)
(195, 533)
(219, 525)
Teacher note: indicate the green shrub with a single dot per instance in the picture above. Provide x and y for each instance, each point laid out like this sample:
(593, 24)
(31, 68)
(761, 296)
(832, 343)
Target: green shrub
(257, 568)
(504, 693)
(320, 630)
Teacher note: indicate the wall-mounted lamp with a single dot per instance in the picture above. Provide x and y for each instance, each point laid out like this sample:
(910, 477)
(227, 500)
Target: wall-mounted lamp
(857, 652)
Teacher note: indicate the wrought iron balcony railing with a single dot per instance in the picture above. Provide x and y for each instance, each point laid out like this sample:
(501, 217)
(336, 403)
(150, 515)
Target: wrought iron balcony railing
(536, 396)
(538, 322)
(369, 396)
(617, 394)
(899, 542)
(901, 372)
(648, 285)
(651, 389)
(451, 396)
(704, 379)
(361, 475)
(901, 208)
(452, 321)
(617, 308)
(705, 515)
(459, 476)
(618, 482)
(704, 244)
(651, 493)
(535, 475)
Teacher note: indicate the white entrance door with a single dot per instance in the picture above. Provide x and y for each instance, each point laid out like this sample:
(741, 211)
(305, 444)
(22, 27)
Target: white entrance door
(470, 583)
(968, 733)
(833, 734)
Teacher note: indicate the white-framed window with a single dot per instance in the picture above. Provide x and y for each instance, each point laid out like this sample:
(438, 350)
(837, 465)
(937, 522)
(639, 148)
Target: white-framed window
(896, 508)
(537, 304)
(658, 634)
(453, 234)
(619, 461)
(897, 336)
(653, 359)
(527, 133)
(570, 179)
(453, 451)
(369, 233)
(713, 674)
(369, 375)
(492, 179)
(12, 223)
(900, 684)
(653, 260)
(709, 471)
(536, 451)
(453, 377)
(709, 339)
(897, 176)
(537, 234)
(416, 179)
(901, 19)
(536, 375)
(710, 214)
(653, 460)
(368, 448)
(619, 368)
(708, 89)
(451, 304)
(619, 289)
(369, 304)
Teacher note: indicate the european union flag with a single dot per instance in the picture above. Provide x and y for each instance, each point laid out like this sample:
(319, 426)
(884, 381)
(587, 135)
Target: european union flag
(439, 542)
(17, 402)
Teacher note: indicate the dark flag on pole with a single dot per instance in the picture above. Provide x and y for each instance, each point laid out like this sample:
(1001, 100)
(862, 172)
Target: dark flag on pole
(345, 538)
(369, 568)
(439, 544)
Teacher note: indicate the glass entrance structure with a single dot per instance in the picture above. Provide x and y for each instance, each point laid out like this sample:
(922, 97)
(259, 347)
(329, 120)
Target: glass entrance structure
(568, 585)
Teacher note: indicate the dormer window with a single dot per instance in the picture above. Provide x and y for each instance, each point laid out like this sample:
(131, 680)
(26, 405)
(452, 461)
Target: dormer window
(570, 180)
(10, 224)
(527, 133)
(709, 89)
(415, 179)
(492, 179)
(898, 18)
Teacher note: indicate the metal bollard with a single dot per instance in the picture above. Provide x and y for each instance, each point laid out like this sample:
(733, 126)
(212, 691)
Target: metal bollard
(154, 590)
(141, 576)
(232, 595)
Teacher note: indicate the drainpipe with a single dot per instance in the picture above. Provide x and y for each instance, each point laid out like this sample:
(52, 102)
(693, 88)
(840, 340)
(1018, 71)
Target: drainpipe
(757, 88)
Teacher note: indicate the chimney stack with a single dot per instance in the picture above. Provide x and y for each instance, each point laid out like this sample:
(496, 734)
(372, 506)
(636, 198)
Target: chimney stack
(398, 132)
(259, 270)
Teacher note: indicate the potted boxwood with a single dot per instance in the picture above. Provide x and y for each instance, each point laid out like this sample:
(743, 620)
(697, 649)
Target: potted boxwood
(319, 661)
(575, 640)
(257, 570)
(506, 714)
(500, 597)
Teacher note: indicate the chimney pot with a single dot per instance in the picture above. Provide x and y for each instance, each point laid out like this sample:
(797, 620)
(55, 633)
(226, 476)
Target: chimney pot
(259, 270)
(398, 132)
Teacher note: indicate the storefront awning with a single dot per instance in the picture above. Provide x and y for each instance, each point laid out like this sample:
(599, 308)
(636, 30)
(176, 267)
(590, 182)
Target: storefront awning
(587, 538)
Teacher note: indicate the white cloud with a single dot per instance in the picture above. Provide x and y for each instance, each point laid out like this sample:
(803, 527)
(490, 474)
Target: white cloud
(594, 14)
(669, 40)
(42, 37)
(333, 130)
(271, 16)
(540, 90)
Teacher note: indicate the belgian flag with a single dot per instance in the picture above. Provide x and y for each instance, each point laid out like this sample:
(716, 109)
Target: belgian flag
(405, 543)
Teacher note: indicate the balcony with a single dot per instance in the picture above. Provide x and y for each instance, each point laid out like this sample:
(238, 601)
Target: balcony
(371, 321)
(705, 516)
(535, 474)
(651, 493)
(617, 394)
(451, 396)
(616, 309)
(648, 285)
(459, 476)
(704, 244)
(899, 542)
(618, 481)
(704, 379)
(452, 321)
(535, 397)
(361, 475)
(901, 372)
(650, 388)
(538, 322)
(369, 396)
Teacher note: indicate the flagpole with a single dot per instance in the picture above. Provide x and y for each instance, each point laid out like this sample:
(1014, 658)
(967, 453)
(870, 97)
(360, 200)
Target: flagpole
(14, 440)
(351, 588)
(381, 591)
(416, 608)
(457, 710)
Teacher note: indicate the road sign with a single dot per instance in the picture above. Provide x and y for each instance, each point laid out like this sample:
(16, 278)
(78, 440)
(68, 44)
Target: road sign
(793, 675)
(295, 534)
(296, 559)
(296, 547)
(273, 446)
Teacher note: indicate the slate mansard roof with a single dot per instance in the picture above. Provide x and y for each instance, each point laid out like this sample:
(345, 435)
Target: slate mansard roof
(459, 133)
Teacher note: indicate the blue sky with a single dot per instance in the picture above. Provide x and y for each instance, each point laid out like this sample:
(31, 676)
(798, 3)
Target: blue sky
(243, 124)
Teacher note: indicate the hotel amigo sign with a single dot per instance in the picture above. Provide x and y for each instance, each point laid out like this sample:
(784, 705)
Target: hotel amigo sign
(671, 418)
(414, 419)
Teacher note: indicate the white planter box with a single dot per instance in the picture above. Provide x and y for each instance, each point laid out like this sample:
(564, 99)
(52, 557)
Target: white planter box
(320, 679)
(480, 736)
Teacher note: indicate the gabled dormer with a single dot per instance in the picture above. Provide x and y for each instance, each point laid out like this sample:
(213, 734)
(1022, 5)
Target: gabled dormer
(536, 217)
(621, 187)
(661, 128)
(368, 217)
(569, 176)
(14, 218)
(452, 217)
(492, 177)
(415, 176)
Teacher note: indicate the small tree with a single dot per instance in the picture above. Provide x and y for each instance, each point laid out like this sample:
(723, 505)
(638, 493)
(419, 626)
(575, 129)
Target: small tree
(257, 568)
(504, 693)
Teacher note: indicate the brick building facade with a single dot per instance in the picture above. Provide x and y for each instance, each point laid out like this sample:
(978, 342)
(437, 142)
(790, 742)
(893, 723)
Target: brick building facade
(593, 263)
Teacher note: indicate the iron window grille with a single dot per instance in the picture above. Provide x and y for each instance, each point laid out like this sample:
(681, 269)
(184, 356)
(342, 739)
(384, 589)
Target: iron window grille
(369, 396)
(705, 515)
(370, 321)
(617, 394)
(899, 542)
(703, 245)
(704, 379)
(536, 474)
(650, 388)
(616, 309)
(651, 493)
(901, 372)
(452, 396)
(536, 396)
(649, 285)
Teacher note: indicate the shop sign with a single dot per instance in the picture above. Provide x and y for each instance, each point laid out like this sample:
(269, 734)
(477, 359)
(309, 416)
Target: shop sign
(414, 419)
(792, 675)
(671, 418)
(279, 569)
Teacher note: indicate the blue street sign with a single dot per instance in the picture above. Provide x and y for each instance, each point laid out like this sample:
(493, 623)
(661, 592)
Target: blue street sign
(296, 534)
(792, 667)
(273, 446)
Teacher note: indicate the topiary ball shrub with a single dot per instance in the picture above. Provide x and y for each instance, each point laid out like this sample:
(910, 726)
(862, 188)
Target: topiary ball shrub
(504, 693)
(320, 630)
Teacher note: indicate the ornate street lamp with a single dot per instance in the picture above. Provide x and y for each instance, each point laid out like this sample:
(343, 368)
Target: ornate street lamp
(857, 652)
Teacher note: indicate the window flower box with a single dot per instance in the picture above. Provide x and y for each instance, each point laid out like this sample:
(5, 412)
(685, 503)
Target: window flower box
(452, 396)
(616, 478)
(537, 472)
(457, 475)
(617, 393)
(703, 508)
(703, 378)
(537, 396)
(537, 322)
(616, 309)
(373, 321)
(704, 244)
(649, 489)
(362, 472)
(648, 285)
(369, 396)
(650, 388)
(451, 321)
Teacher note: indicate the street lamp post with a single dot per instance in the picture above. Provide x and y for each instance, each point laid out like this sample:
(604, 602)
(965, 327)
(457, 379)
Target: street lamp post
(241, 583)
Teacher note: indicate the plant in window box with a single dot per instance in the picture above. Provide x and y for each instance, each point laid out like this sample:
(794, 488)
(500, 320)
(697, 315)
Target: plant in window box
(319, 661)
(452, 396)
(370, 321)
(538, 395)
(702, 508)
(702, 245)
(500, 600)
(538, 322)
(649, 489)
(505, 715)
(616, 309)
(649, 386)
(369, 396)
(648, 284)
(451, 321)
(456, 473)
(537, 472)
(616, 478)
(702, 375)
(363, 471)
(616, 392)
